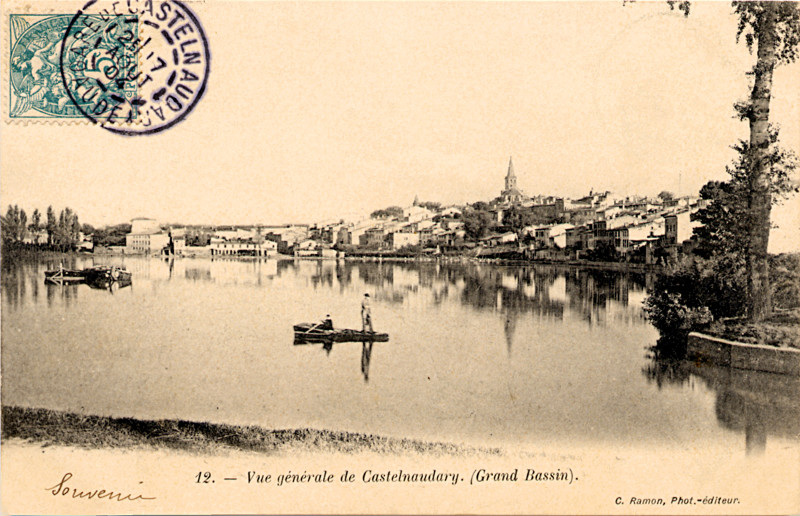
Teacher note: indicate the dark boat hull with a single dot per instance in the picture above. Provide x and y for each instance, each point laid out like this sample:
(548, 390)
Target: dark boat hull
(108, 284)
(105, 273)
(308, 333)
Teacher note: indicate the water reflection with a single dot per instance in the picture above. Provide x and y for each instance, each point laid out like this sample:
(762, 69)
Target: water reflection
(754, 403)
(366, 356)
(544, 291)
(197, 274)
(366, 353)
(517, 354)
(109, 285)
(547, 292)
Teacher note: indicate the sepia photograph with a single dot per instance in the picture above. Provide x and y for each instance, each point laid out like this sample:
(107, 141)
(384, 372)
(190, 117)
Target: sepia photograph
(271, 257)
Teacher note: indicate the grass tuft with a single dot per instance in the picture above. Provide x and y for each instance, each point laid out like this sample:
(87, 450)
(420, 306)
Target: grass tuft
(50, 427)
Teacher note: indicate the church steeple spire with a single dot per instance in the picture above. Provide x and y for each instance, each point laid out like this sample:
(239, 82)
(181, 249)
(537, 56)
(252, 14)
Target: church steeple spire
(511, 178)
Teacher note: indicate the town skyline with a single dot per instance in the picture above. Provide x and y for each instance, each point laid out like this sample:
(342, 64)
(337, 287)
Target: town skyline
(783, 239)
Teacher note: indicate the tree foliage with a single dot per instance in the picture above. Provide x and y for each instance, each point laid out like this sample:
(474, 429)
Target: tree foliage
(63, 233)
(771, 30)
(780, 19)
(386, 213)
(431, 205)
(682, 6)
(726, 219)
(14, 224)
(713, 283)
(36, 221)
(112, 235)
(518, 218)
(478, 221)
(666, 195)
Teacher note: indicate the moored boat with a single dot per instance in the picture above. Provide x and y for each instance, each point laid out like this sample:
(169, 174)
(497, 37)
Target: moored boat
(310, 333)
(106, 273)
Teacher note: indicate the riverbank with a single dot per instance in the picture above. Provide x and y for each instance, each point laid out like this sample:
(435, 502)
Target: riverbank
(449, 259)
(50, 427)
(390, 257)
(757, 357)
(32, 252)
(781, 329)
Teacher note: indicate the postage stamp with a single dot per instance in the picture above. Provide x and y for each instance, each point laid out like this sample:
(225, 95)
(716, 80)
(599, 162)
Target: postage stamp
(136, 68)
(35, 86)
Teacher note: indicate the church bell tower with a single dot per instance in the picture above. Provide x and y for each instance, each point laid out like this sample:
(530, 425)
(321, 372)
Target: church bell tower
(511, 178)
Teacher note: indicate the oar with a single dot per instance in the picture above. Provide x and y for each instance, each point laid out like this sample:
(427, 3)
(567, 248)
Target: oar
(313, 327)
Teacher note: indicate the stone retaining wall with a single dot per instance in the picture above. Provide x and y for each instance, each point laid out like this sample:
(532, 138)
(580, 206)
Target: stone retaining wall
(743, 356)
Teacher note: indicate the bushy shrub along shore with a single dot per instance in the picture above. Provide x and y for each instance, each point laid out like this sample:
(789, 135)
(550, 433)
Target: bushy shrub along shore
(49, 427)
(709, 295)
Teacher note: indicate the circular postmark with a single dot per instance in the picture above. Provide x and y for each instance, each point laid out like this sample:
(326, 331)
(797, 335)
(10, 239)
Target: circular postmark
(135, 67)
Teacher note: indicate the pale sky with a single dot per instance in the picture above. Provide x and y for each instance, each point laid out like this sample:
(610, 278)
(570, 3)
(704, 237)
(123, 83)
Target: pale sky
(316, 111)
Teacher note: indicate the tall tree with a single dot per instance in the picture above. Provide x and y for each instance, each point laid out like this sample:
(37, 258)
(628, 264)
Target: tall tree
(773, 28)
(36, 221)
(14, 224)
(75, 229)
(9, 224)
(50, 226)
(22, 225)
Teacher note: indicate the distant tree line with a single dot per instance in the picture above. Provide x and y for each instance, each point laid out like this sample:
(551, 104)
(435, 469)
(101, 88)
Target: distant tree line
(63, 232)
(111, 235)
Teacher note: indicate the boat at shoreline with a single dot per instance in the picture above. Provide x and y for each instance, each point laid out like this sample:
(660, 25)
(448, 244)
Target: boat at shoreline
(106, 273)
(307, 333)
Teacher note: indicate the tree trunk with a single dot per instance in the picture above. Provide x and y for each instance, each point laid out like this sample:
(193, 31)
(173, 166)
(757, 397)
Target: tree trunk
(760, 199)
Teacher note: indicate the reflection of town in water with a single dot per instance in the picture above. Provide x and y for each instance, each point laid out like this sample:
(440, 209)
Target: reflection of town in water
(594, 296)
(577, 301)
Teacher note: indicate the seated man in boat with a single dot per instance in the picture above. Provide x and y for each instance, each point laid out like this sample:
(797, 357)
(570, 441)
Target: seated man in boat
(327, 323)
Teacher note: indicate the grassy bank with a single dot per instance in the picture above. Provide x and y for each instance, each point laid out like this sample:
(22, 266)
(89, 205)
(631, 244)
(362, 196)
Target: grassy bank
(781, 329)
(49, 427)
(29, 252)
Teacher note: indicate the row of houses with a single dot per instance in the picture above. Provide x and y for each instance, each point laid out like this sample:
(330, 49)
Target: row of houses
(416, 227)
(148, 236)
(599, 219)
(628, 231)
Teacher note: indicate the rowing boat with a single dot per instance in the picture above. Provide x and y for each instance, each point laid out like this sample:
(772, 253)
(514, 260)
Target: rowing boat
(309, 333)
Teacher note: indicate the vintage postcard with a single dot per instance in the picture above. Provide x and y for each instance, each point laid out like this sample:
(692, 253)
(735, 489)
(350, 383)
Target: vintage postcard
(399, 257)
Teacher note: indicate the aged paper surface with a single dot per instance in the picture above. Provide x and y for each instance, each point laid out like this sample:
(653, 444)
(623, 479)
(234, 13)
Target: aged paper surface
(251, 112)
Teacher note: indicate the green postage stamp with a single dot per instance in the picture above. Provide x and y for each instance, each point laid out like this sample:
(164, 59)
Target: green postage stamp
(40, 78)
(135, 67)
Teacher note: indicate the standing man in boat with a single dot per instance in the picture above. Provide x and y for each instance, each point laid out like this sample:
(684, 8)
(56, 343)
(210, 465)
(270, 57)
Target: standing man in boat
(366, 315)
